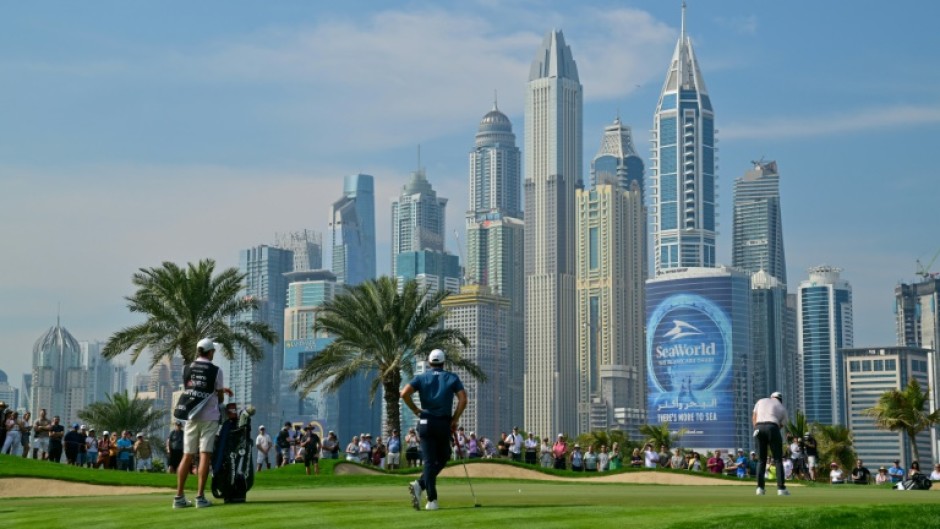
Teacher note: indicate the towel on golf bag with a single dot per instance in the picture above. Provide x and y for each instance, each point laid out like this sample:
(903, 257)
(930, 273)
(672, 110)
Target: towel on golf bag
(917, 482)
(233, 468)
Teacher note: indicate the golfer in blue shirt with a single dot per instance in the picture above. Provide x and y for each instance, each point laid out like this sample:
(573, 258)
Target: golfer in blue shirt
(436, 389)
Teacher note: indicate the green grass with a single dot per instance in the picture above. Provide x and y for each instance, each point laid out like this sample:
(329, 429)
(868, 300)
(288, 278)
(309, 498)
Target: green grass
(286, 498)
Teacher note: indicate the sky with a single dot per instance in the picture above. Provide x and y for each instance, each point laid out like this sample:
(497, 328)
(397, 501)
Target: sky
(133, 133)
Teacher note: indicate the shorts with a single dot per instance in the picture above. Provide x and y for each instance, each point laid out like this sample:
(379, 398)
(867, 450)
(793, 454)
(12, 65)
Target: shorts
(393, 458)
(41, 443)
(811, 461)
(199, 436)
(144, 463)
(263, 457)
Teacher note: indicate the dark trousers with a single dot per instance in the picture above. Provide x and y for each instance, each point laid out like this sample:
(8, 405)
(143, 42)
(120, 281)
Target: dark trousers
(769, 434)
(55, 452)
(435, 450)
(530, 457)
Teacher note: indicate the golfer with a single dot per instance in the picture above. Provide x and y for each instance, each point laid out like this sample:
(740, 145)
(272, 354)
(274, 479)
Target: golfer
(769, 417)
(436, 388)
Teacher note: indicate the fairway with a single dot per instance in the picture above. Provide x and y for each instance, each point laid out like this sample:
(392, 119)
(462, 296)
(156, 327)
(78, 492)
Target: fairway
(286, 498)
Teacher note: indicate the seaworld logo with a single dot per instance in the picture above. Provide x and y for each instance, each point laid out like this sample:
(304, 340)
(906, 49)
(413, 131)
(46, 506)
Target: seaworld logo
(681, 329)
(679, 349)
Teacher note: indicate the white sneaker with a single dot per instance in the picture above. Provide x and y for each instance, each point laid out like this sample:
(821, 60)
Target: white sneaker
(783, 492)
(760, 491)
(431, 506)
(415, 489)
(201, 502)
(180, 502)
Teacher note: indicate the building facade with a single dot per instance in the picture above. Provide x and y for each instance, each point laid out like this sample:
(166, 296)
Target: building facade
(433, 270)
(616, 161)
(553, 162)
(418, 219)
(870, 372)
(611, 312)
(258, 382)
(917, 307)
(59, 379)
(698, 352)
(824, 328)
(482, 317)
(352, 223)
(773, 359)
(307, 246)
(758, 222)
(683, 166)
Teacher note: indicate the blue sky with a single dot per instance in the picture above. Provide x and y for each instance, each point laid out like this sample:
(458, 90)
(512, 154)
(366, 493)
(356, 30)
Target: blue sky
(137, 132)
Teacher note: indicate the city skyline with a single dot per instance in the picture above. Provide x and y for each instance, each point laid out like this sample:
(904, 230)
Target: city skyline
(92, 175)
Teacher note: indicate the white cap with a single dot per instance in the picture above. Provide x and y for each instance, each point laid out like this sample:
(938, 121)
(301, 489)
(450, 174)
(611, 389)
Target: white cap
(436, 357)
(776, 395)
(205, 345)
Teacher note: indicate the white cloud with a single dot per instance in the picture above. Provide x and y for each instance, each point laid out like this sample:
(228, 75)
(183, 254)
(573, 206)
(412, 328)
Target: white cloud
(810, 126)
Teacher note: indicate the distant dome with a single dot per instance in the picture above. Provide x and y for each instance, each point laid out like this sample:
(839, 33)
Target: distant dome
(495, 121)
(57, 348)
(3, 377)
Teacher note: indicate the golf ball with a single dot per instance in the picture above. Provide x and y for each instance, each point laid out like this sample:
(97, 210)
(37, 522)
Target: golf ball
(520, 491)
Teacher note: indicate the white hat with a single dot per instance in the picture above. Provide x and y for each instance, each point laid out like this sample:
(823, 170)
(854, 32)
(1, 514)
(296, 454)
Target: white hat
(436, 357)
(776, 395)
(261, 427)
(206, 345)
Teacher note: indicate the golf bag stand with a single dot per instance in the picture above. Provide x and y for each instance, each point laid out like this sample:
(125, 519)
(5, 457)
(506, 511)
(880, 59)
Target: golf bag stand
(233, 467)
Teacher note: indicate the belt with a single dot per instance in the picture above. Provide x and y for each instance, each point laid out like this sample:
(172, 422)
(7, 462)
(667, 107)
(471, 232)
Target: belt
(768, 424)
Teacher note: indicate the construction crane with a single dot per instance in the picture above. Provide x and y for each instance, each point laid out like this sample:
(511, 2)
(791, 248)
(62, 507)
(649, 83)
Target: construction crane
(923, 270)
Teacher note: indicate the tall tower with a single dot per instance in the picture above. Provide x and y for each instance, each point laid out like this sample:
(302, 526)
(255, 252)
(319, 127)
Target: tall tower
(307, 246)
(352, 221)
(417, 219)
(683, 166)
(758, 224)
(824, 329)
(553, 151)
(617, 161)
(495, 241)
(58, 381)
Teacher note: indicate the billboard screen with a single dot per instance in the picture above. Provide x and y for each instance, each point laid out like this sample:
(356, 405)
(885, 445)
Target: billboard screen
(690, 359)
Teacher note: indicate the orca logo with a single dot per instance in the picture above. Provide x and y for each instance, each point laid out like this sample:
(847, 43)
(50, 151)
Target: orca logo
(681, 329)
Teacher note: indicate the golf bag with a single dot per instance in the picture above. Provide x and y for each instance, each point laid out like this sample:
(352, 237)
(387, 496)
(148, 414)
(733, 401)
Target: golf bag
(233, 467)
(917, 482)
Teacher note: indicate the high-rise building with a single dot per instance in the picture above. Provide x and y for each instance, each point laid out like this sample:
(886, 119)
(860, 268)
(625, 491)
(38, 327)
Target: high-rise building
(482, 317)
(617, 161)
(59, 379)
(773, 352)
(307, 246)
(353, 225)
(258, 382)
(824, 328)
(433, 270)
(101, 372)
(495, 240)
(611, 312)
(307, 291)
(684, 166)
(418, 219)
(917, 307)
(869, 373)
(698, 352)
(352, 222)
(9, 394)
(758, 224)
(553, 163)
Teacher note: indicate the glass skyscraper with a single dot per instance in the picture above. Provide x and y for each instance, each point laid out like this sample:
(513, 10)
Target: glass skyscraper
(495, 240)
(553, 165)
(58, 379)
(617, 162)
(758, 224)
(824, 328)
(418, 219)
(352, 222)
(683, 166)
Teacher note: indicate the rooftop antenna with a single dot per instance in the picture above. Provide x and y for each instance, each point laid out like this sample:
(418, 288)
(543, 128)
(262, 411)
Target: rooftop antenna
(495, 100)
(682, 27)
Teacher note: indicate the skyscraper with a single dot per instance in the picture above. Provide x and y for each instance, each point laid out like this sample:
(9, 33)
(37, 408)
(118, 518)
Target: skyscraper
(758, 224)
(59, 379)
(683, 166)
(553, 162)
(611, 312)
(433, 270)
(773, 342)
(307, 246)
(617, 161)
(495, 240)
(824, 328)
(418, 217)
(258, 382)
(918, 313)
(352, 222)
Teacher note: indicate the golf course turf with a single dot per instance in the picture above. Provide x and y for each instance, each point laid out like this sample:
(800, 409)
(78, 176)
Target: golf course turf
(287, 498)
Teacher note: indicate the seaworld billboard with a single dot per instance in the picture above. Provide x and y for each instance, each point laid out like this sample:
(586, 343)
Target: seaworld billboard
(698, 338)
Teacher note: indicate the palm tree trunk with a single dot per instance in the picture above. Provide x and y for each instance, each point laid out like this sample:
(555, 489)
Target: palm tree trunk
(912, 437)
(391, 395)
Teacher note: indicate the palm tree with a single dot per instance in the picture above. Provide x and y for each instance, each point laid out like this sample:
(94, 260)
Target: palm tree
(798, 428)
(659, 435)
(835, 444)
(903, 411)
(605, 438)
(184, 305)
(120, 412)
(377, 329)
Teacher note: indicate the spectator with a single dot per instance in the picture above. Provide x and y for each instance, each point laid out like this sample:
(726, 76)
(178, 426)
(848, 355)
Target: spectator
(502, 446)
(812, 452)
(514, 444)
(473, 446)
(393, 458)
(716, 465)
(696, 464)
(636, 460)
(616, 458)
(677, 462)
(104, 451)
(861, 475)
(310, 442)
(740, 464)
(577, 459)
(836, 476)
(295, 437)
(365, 448)
(125, 449)
(531, 449)
(263, 443)
(82, 449)
(489, 449)
(882, 477)
(559, 452)
(590, 460)
(752, 465)
(41, 436)
(74, 442)
(412, 453)
(143, 454)
(352, 450)
(460, 449)
(329, 449)
(379, 453)
(174, 447)
(91, 448)
(56, 433)
(935, 475)
(914, 470)
(787, 468)
(113, 451)
(896, 473)
(664, 457)
(24, 434)
(650, 457)
(282, 445)
(603, 460)
(13, 442)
